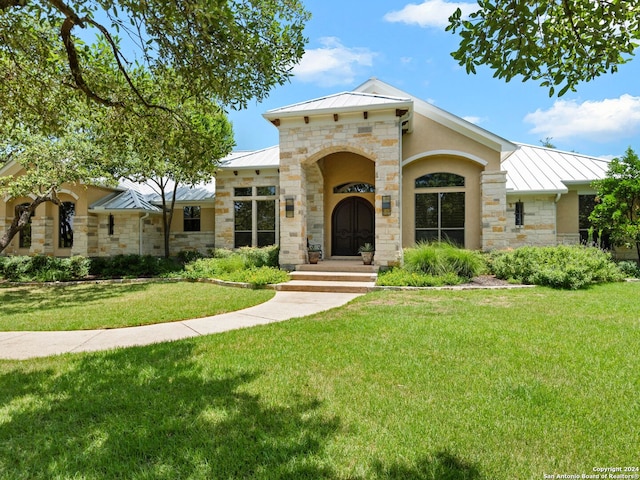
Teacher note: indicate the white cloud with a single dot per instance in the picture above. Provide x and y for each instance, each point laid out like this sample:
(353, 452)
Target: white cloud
(601, 121)
(431, 13)
(333, 63)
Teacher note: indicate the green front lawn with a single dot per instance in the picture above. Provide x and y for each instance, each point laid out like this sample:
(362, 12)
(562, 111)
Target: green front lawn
(395, 385)
(108, 305)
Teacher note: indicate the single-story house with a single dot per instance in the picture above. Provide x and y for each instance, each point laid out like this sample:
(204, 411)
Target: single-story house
(373, 165)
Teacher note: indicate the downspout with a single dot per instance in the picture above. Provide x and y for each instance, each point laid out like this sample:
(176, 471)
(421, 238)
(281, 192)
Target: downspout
(400, 121)
(142, 219)
(555, 202)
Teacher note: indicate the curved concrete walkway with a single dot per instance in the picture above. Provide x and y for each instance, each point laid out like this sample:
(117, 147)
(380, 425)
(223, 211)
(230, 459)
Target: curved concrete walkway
(283, 306)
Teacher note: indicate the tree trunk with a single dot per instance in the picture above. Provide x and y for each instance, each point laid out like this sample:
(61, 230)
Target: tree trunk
(21, 220)
(167, 218)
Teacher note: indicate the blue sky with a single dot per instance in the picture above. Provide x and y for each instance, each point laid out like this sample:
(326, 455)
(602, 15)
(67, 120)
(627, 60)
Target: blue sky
(405, 45)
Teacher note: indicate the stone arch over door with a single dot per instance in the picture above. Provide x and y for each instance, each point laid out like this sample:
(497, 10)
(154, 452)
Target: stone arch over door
(352, 225)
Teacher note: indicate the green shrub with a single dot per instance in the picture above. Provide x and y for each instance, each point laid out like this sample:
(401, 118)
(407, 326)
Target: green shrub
(132, 266)
(260, 256)
(399, 277)
(41, 268)
(257, 276)
(568, 267)
(629, 269)
(441, 258)
(186, 256)
(257, 266)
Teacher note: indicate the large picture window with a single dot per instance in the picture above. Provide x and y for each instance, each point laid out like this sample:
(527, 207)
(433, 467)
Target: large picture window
(254, 216)
(439, 208)
(191, 219)
(440, 217)
(67, 211)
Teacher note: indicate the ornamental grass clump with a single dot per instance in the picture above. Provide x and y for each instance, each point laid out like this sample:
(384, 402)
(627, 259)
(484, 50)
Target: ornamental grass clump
(434, 264)
(564, 266)
(441, 258)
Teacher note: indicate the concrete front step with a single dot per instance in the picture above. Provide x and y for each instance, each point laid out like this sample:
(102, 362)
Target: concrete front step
(343, 275)
(338, 266)
(333, 276)
(325, 286)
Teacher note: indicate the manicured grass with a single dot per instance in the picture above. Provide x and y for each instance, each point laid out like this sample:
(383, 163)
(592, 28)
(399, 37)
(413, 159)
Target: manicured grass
(90, 306)
(396, 385)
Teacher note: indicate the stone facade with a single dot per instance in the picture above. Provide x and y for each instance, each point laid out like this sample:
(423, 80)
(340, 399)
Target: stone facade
(494, 210)
(539, 223)
(302, 146)
(226, 183)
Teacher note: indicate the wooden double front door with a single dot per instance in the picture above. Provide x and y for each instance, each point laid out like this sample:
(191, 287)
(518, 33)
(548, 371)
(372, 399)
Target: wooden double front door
(352, 225)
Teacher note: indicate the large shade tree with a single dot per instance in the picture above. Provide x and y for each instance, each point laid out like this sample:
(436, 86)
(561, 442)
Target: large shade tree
(207, 55)
(47, 132)
(618, 209)
(166, 148)
(557, 42)
(228, 50)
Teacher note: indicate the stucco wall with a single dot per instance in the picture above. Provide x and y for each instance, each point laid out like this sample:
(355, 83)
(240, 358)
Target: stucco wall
(430, 136)
(340, 168)
(471, 171)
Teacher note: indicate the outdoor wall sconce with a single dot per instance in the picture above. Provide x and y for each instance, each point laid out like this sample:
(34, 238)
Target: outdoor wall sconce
(288, 207)
(386, 205)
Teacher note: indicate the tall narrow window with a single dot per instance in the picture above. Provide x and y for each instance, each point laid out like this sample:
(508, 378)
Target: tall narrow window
(191, 222)
(112, 223)
(243, 222)
(65, 224)
(519, 214)
(24, 239)
(588, 236)
(266, 222)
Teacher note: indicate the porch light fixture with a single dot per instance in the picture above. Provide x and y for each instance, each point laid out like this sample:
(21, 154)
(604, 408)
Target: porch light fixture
(386, 205)
(288, 207)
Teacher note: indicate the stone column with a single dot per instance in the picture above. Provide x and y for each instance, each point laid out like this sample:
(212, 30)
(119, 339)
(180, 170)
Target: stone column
(293, 230)
(42, 229)
(388, 228)
(494, 210)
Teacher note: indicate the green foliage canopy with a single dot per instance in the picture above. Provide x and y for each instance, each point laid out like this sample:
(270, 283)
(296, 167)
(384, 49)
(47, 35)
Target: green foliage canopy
(228, 50)
(558, 42)
(618, 210)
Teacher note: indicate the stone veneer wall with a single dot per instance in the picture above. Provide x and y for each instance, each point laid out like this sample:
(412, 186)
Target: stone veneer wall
(494, 210)
(203, 242)
(539, 227)
(85, 236)
(125, 238)
(301, 145)
(315, 205)
(42, 229)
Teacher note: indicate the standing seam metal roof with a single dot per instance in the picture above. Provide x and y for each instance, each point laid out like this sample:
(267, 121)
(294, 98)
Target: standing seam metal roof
(338, 101)
(128, 200)
(538, 169)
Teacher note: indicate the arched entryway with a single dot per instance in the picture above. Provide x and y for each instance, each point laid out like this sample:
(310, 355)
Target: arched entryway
(352, 225)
